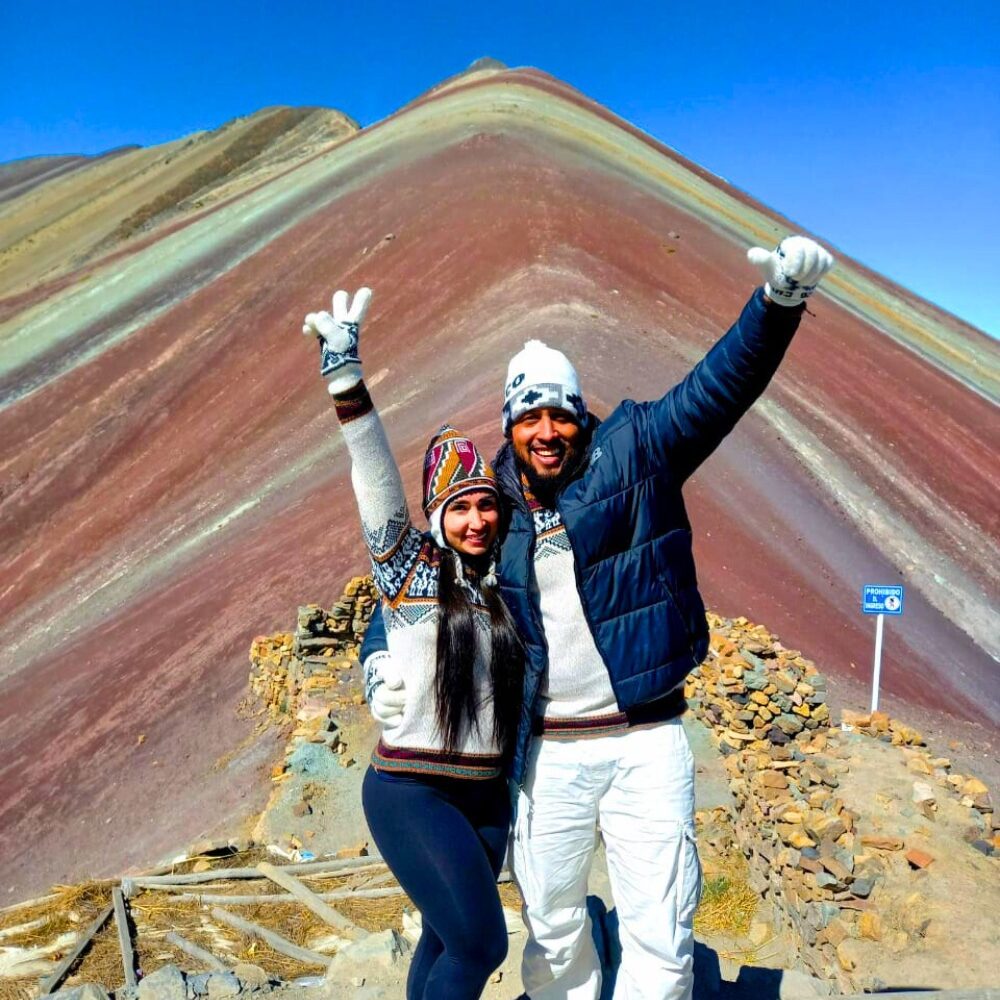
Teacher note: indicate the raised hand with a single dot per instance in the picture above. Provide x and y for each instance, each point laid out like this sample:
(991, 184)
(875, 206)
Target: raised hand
(338, 332)
(792, 270)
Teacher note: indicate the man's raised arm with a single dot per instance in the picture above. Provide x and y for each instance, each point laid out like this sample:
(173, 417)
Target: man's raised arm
(690, 421)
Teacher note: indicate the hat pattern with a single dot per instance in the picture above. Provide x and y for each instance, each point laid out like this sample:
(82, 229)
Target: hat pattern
(452, 465)
(540, 395)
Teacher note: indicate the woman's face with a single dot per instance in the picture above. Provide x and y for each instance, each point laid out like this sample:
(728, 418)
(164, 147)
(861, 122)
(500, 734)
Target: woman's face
(471, 521)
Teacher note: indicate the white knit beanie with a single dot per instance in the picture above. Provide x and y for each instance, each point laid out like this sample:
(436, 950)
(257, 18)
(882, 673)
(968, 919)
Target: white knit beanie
(540, 376)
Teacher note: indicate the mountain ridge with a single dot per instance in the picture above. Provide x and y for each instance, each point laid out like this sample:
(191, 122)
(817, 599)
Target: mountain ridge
(172, 479)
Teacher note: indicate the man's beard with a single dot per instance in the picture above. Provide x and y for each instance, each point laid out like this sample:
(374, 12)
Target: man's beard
(545, 487)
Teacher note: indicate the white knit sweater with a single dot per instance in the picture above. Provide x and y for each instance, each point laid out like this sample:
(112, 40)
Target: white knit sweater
(577, 699)
(576, 684)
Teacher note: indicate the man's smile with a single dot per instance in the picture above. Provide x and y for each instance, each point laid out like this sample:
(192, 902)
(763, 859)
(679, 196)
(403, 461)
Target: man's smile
(549, 456)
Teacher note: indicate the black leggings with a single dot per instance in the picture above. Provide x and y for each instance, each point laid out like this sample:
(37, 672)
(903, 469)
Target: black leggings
(444, 839)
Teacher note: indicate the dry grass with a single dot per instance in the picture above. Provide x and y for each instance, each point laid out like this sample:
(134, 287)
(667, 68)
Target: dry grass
(73, 909)
(18, 989)
(728, 903)
(101, 962)
(236, 859)
(155, 913)
(511, 897)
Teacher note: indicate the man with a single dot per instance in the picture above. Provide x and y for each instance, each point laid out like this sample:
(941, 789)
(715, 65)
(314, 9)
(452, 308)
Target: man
(597, 570)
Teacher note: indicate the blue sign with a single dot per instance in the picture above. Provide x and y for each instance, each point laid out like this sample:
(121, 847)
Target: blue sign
(878, 600)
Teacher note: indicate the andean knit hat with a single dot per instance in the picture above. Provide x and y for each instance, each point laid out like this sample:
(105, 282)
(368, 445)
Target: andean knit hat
(452, 465)
(540, 376)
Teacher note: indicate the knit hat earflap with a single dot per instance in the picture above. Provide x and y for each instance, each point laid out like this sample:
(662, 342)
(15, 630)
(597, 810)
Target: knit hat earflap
(540, 376)
(452, 465)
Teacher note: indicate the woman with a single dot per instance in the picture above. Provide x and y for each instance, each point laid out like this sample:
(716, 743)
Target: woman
(434, 796)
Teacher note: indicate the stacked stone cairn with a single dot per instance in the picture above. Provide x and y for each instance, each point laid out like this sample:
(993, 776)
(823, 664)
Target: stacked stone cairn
(751, 689)
(300, 672)
(767, 707)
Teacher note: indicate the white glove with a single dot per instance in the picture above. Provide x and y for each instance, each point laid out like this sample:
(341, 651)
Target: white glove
(791, 271)
(338, 337)
(384, 689)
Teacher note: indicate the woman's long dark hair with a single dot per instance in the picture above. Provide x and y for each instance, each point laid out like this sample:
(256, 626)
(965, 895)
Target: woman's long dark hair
(454, 683)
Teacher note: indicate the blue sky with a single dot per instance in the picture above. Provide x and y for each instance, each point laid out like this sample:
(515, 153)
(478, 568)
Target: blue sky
(874, 125)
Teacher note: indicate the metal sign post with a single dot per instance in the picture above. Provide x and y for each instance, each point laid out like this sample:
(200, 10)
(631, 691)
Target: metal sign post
(881, 601)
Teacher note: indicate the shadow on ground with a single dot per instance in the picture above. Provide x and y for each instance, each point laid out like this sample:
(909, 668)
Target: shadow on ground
(752, 983)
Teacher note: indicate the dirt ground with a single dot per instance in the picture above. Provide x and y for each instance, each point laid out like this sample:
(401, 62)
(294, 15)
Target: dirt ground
(729, 966)
(961, 885)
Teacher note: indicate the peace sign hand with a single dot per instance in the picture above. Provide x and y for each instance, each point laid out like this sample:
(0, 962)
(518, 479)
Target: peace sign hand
(338, 335)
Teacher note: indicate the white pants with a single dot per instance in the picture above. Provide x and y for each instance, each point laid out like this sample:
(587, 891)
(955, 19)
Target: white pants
(639, 786)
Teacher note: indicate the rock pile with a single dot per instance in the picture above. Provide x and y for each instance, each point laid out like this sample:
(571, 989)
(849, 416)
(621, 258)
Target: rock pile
(304, 679)
(296, 675)
(881, 727)
(805, 853)
(170, 983)
(766, 707)
(752, 689)
(984, 831)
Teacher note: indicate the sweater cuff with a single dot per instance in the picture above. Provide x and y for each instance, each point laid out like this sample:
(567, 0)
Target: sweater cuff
(353, 404)
(774, 311)
(372, 676)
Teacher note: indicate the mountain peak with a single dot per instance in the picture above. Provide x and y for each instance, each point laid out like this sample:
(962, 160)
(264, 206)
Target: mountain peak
(486, 62)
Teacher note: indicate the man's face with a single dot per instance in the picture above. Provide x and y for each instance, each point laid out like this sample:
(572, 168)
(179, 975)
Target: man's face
(547, 442)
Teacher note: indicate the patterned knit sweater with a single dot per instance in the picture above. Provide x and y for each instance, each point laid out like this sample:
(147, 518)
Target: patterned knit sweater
(405, 567)
(577, 682)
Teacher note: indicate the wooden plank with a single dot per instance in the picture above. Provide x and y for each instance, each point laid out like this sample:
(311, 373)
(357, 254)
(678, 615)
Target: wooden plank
(37, 901)
(196, 951)
(170, 887)
(302, 868)
(310, 900)
(50, 983)
(124, 935)
(175, 883)
(276, 941)
(380, 879)
(260, 899)
(377, 866)
(160, 885)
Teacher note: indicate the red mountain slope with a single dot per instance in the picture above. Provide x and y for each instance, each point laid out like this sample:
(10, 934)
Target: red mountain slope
(173, 481)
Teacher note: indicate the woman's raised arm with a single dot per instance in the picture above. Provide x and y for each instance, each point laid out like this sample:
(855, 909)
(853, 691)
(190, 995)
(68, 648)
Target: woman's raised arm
(392, 540)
